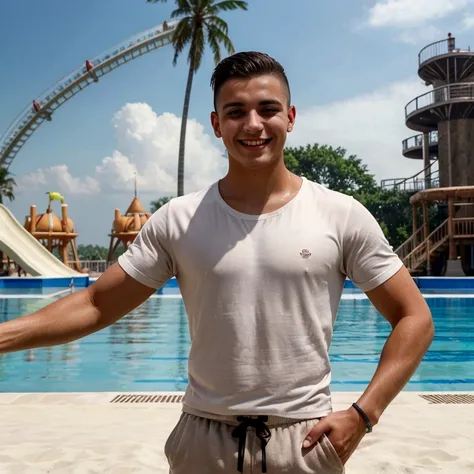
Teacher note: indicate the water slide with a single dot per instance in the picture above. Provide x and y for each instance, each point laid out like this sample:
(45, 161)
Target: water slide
(26, 251)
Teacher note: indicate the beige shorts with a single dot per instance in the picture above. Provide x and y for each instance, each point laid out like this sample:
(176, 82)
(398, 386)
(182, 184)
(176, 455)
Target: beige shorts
(230, 445)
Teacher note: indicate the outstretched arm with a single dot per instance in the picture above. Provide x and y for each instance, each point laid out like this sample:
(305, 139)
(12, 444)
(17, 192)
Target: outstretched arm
(110, 298)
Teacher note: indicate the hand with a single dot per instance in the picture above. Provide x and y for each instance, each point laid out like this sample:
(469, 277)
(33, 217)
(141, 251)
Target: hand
(344, 429)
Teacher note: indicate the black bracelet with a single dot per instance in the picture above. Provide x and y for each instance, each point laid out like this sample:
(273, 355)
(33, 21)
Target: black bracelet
(361, 412)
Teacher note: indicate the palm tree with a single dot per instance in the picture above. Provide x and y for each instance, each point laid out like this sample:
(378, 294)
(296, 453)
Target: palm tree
(199, 25)
(6, 185)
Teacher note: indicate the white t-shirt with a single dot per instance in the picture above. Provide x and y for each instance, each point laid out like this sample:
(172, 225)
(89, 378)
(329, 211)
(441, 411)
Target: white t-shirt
(261, 293)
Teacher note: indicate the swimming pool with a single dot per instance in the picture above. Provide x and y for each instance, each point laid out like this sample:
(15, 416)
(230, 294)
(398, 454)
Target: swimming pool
(147, 351)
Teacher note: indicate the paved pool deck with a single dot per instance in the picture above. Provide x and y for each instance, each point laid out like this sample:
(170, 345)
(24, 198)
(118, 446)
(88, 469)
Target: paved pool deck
(81, 433)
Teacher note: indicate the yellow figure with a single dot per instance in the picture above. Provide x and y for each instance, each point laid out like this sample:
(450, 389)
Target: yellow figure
(54, 196)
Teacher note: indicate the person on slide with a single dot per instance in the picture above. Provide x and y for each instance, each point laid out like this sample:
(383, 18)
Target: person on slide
(261, 257)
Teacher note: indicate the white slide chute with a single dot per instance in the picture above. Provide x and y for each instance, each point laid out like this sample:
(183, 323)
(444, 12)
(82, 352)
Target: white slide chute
(26, 251)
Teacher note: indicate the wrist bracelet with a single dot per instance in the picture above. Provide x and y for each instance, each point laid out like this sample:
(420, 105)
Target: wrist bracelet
(361, 412)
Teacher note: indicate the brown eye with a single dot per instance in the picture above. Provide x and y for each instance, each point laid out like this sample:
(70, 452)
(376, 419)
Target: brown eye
(235, 113)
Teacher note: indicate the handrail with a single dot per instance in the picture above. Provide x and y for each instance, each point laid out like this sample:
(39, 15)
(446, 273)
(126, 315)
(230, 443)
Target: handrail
(404, 249)
(416, 141)
(437, 48)
(67, 87)
(451, 92)
(418, 254)
(463, 226)
(433, 177)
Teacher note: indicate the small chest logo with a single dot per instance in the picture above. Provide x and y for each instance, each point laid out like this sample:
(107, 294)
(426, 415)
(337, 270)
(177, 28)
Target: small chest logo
(305, 253)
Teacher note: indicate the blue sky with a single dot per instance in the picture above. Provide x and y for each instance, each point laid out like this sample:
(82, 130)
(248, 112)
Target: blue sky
(351, 63)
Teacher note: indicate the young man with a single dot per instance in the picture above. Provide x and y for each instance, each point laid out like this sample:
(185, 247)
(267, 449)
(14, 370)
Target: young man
(261, 257)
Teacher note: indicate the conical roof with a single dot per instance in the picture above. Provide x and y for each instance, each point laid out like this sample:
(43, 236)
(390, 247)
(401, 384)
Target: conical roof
(136, 207)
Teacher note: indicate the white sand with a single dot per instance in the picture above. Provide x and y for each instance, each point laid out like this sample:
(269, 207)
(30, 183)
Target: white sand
(72, 433)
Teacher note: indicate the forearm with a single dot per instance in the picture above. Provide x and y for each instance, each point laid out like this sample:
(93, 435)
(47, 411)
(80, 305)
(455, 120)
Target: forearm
(401, 356)
(65, 320)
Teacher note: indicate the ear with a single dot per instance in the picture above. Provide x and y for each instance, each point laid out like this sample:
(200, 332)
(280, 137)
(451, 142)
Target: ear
(291, 118)
(215, 125)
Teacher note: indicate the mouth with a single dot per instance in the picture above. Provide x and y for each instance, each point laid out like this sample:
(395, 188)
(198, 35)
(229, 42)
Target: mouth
(255, 144)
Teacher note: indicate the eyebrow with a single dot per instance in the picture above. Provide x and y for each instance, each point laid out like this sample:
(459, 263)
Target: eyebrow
(241, 104)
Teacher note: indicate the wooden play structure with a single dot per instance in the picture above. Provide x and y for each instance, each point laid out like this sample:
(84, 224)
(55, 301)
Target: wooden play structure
(58, 235)
(126, 227)
(428, 251)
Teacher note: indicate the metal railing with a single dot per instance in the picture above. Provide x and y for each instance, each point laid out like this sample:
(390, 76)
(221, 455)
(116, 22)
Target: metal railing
(95, 266)
(414, 183)
(459, 92)
(417, 141)
(438, 48)
(29, 120)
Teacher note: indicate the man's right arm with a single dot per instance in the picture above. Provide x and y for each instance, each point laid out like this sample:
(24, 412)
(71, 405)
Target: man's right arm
(107, 300)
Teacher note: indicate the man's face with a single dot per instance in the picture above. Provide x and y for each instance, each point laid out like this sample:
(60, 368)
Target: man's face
(253, 119)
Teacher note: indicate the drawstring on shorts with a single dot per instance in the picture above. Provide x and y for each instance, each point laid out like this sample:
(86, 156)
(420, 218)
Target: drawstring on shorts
(262, 432)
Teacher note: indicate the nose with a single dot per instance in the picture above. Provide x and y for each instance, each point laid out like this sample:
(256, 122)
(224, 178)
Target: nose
(253, 123)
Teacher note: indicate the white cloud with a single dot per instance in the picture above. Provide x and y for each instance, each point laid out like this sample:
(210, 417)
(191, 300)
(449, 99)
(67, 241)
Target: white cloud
(468, 22)
(58, 178)
(412, 13)
(419, 35)
(147, 145)
(372, 126)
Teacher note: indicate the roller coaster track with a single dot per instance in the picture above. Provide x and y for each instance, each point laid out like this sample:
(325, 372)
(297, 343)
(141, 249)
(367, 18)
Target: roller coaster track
(66, 88)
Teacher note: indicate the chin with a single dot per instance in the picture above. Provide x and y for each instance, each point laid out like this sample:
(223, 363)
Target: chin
(256, 162)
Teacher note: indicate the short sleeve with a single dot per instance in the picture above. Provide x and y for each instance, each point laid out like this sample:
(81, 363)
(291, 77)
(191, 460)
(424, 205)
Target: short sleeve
(368, 258)
(149, 258)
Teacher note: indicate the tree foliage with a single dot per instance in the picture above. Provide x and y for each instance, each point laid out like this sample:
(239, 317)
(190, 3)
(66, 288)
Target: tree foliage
(347, 174)
(97, 252)
(330, 167)
(155, 205)
(7, 184)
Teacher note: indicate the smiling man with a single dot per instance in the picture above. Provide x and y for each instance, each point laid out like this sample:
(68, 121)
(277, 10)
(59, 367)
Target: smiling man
(261, 257)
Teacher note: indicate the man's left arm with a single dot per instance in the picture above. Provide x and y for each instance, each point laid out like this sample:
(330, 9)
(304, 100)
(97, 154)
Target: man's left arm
(401, 303)
(371, 264)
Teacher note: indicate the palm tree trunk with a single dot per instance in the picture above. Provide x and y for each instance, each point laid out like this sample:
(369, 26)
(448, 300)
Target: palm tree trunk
(184, 121)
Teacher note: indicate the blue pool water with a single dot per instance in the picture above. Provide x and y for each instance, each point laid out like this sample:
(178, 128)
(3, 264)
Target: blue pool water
(32, 291)
(147, 351)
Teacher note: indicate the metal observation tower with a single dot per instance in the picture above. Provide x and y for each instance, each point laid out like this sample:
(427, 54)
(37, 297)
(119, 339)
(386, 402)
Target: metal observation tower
(444, 118)
(45, 106)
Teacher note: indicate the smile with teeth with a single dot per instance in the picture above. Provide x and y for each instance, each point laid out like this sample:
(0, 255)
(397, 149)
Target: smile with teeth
(255, 143)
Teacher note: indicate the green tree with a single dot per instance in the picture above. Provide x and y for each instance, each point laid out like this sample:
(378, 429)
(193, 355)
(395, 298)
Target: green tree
(92, 252)
(199, 24)
(330, 167)
(392, 210)
(347, 174)
(155, 205)
(7, 183)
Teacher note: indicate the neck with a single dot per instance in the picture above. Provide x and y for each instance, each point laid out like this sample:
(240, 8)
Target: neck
(258, 185)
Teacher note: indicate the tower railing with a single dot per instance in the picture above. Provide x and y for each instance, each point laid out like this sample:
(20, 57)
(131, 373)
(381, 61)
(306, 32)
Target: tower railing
(415, 182)
(417, 140)
(437, 48)
(449, 93)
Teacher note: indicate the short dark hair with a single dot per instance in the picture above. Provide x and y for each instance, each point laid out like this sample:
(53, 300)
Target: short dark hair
(246, 65)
